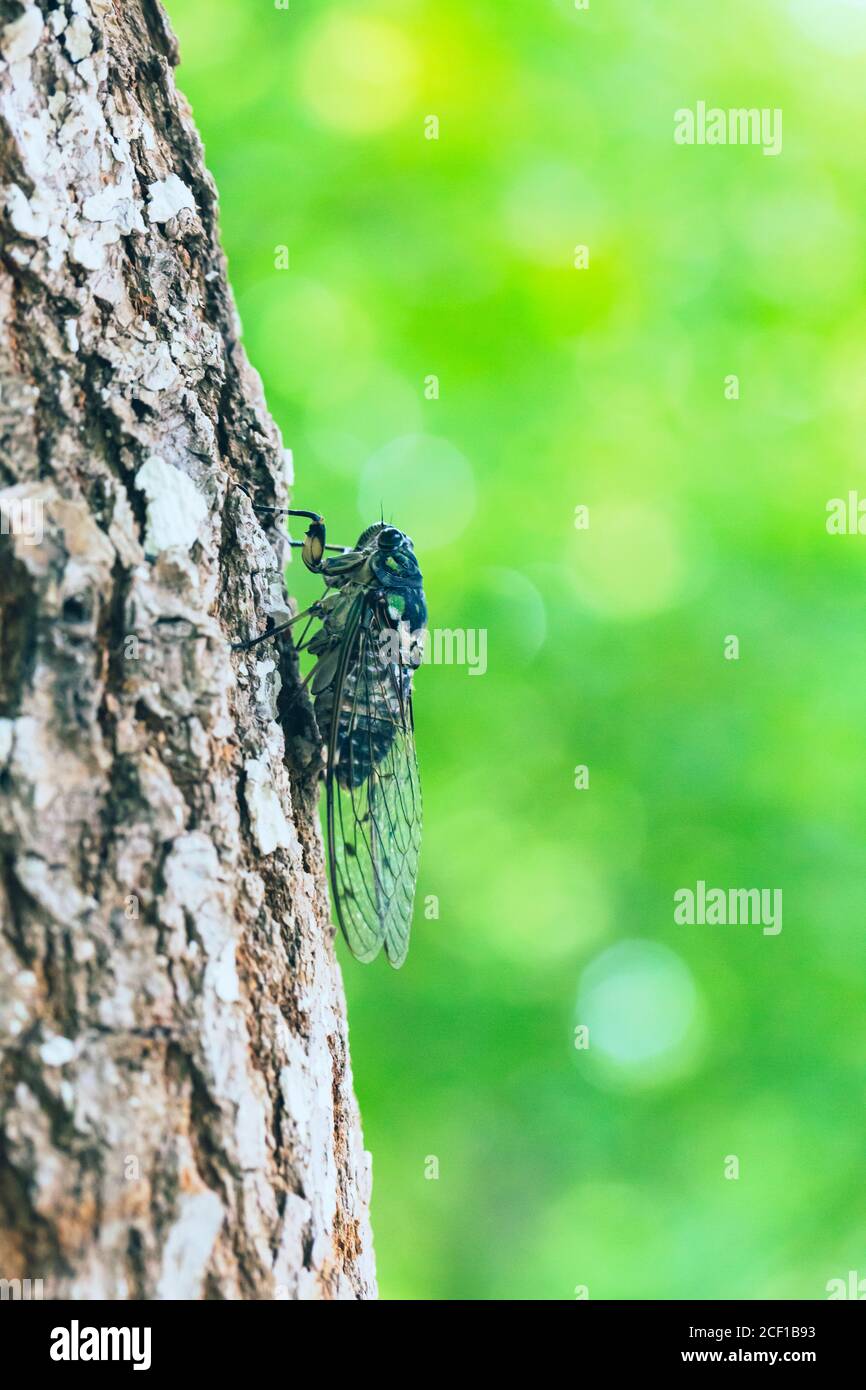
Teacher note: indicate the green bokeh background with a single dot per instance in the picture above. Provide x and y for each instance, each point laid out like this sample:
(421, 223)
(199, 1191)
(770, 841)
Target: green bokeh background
(602, 387)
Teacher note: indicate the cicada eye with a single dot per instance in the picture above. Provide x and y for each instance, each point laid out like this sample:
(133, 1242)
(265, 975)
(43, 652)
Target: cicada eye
(389, 538)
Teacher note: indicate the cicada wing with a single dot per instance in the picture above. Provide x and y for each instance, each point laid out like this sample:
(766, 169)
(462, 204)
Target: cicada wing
(374, 797)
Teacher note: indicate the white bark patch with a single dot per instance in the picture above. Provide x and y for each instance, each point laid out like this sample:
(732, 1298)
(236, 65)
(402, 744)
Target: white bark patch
(270, 827)
(22, 35)
(53, 889)
(7, 734)
(116, 204)
(269, 685)
(57, 1052)
(140, 361)
(176, 509)
(167, 198)
(189, 1246)
(78, 39)
(297, 1216)
(28, 220)
(88, 249)
(296, 1091)
(225, 977)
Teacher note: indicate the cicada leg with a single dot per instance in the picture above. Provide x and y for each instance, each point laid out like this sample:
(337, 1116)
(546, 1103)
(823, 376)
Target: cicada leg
(272, 631)
(337, 549)
(313, 545)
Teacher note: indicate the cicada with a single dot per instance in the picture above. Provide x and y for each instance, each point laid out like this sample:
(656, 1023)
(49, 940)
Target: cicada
(367, 644)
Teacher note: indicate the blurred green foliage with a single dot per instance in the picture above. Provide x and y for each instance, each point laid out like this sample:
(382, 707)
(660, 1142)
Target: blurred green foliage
(602, 387)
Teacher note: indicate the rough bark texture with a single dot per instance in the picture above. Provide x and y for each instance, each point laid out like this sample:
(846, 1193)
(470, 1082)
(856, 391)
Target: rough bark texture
(178, 1119)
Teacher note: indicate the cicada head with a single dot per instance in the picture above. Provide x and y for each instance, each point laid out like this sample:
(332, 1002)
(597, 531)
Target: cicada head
(393, 562)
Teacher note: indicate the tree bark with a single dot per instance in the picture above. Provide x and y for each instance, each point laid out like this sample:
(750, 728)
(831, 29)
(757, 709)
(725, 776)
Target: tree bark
(178, 1119)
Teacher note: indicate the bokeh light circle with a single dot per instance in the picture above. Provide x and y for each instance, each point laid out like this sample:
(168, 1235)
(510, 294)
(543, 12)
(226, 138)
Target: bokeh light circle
(629, 563)
(424, 484)
(642, 1008)
(357, 73)
(515, 611)
(839, 25)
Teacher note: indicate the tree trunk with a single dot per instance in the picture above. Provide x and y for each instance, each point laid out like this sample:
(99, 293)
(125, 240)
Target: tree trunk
(178, 1119)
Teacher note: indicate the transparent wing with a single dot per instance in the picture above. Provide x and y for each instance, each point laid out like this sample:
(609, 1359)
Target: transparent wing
(374, 793)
